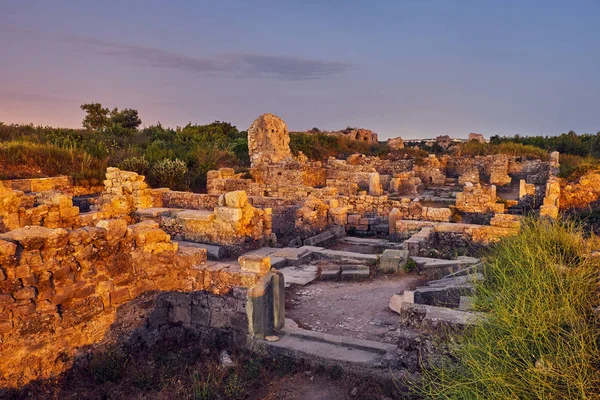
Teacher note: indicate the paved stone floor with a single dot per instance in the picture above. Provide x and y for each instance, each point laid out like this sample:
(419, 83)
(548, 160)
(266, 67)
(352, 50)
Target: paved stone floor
(357, 309)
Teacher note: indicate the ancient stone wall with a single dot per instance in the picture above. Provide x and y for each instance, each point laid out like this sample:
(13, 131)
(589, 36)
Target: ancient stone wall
(283, 212)
(478, 199)
(360, 134)
(63, 184)
(124, 193)
(499, 172)
(63, 290)
(268, 140)
(187, 200)
(49, 208)
(226, 180)
(289, 173)
(233, 223)
(405, 183)
(431, 171)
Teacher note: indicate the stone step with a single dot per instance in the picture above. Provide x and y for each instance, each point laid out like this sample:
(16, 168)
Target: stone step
(447, 296)
(436, 268)
(324, 348)
(355, 274)
(340, 255)
(299, 275)
(213, 251)
(294, 255)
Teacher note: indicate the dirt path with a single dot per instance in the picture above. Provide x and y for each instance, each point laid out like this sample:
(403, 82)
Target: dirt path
(357, 309)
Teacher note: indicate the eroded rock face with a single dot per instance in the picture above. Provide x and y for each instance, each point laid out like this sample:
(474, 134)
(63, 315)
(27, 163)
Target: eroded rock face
(268, 140)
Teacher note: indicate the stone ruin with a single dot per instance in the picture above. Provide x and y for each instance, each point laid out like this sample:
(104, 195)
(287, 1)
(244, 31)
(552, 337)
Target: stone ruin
(358, 134)
(477, 137)
(396, 143)
(268, 140)
(74, 265)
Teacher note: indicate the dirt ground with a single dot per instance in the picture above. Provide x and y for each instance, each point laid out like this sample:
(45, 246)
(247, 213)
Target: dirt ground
(357, 309)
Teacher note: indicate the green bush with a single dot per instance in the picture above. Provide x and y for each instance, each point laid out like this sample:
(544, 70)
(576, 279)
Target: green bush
(540, 338)
(136, 164)
(169, 173)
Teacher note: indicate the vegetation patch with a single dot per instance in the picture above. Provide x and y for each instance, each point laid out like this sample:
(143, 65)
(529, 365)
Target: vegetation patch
(541, 335)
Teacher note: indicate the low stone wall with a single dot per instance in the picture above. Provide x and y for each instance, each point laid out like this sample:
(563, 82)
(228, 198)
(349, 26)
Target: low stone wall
(187, 200)
(50, 209)
(234, 223)
(60, 291)
(226, 180)
(63, 184)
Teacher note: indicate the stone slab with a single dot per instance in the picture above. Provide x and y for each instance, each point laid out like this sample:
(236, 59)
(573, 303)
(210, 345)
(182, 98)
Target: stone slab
(213, 252)
(351, 275)
(332, 349)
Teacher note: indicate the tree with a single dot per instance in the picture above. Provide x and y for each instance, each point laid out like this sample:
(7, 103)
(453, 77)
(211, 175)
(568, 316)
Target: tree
(127, 118)
(96, 117)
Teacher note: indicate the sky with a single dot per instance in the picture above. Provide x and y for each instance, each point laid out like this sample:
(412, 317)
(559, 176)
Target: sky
(410, 68)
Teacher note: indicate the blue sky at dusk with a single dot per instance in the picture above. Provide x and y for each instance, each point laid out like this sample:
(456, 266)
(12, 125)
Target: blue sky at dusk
(401, 68)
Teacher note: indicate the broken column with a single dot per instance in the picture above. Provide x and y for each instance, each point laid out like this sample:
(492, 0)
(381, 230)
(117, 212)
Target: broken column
(375, 188)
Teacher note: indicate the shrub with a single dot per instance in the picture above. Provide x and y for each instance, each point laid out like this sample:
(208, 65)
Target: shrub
(475, 148)
(136, 164)
(169, 173)
(540, 337)
(109, 366)
(573, 167)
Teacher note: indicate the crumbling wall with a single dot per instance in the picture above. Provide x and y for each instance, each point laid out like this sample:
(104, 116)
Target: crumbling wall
(312, 216)
(499, 172)
(405, 183)
(289, 173)
(430, 170)
(60, 288)
(61, 291)
(187, 200)
(62, 184)
(268, 140)
(283, 212)
(226, 180)
(49, 208)
(478, 199)
(124, 193)
(232, 223)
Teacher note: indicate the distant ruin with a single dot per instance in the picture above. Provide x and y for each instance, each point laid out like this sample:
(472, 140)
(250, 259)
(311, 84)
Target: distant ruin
(358, 134)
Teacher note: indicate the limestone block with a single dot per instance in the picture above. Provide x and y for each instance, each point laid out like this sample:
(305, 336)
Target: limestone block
(237, 199)
(393, 260)
(228, 214)
(227, 172)
(115, 228)
(255, 263)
